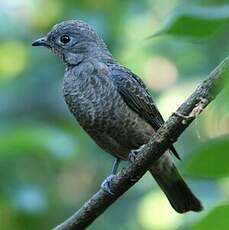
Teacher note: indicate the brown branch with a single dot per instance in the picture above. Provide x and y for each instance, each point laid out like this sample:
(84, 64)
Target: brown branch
(158, 144)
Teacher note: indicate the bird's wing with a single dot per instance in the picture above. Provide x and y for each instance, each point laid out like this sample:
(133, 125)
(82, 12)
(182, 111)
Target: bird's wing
(137, 97)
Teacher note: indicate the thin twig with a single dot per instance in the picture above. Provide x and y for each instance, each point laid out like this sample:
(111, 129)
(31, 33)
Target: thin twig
(152, 151)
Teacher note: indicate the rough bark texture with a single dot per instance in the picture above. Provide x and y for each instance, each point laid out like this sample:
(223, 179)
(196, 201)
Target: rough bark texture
(159, 143)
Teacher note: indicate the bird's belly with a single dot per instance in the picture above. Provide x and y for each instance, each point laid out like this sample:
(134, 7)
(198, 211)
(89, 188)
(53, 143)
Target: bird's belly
(119, 131)
(113, 125)
(108, 120)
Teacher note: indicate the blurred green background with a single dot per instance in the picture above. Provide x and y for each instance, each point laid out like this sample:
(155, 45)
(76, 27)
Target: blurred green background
(49, 166)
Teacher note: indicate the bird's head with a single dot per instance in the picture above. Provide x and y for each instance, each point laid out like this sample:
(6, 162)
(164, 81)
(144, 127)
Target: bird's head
(73, 41)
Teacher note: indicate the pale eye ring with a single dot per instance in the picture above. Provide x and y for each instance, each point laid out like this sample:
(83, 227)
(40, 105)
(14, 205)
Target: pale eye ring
(65, 39)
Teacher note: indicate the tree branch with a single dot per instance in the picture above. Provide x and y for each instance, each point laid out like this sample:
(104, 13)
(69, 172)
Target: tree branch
(152, 151)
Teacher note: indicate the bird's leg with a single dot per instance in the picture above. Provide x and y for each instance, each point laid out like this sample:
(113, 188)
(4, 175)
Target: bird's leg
(106, 183)
(133, 153)
(115, 166)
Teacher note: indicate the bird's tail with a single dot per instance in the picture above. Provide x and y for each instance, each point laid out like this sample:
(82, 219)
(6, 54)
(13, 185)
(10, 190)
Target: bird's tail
(177, 191)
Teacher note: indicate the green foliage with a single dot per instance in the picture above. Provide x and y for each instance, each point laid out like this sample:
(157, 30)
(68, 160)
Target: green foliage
(196, 21)
(209, 160)
(216, 219)
(25, 137)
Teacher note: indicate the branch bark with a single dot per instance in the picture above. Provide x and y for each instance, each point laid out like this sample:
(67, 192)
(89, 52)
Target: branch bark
(159, 143)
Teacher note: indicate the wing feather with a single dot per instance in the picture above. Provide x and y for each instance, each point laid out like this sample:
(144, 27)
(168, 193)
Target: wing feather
(137, 97)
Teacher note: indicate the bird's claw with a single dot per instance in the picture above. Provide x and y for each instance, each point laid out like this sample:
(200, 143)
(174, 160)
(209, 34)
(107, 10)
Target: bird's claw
(134, 153)
(106, 184)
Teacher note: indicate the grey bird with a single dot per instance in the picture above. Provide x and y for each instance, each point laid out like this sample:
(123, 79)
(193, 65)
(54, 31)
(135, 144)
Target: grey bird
(113, 105)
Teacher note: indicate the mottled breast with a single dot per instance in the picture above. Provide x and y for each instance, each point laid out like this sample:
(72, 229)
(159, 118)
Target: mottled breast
(90, 94)
(98, 107)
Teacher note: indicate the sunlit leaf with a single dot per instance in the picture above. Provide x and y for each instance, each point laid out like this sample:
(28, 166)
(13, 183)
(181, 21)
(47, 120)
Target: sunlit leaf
(216, 219)
(196, 21)
(210, 161)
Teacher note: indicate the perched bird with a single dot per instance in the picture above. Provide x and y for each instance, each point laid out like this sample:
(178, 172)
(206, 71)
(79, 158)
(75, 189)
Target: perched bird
(113, 105)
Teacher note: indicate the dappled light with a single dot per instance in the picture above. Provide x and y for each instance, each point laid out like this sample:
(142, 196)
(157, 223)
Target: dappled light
(13, 59)
(160, 78)
(155, 213)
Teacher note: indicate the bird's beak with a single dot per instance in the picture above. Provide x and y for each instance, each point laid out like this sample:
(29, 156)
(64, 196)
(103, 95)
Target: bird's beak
(40, 42)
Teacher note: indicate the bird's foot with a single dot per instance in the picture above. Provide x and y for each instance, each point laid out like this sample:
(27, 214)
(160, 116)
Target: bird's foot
(106, 184)
(134, 153)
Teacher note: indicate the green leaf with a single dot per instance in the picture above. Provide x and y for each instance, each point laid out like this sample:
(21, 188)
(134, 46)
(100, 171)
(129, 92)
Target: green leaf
(33, 137)
(216, 219)
(210, 161)
(208, 2)
(196, 21)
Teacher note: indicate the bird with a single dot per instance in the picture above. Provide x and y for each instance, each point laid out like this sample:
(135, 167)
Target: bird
(113, 105)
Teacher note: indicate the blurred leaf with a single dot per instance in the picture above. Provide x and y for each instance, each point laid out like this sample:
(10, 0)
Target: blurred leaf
(196, 21)
(13, 59)
(216, 219)
(36, 138)
(210, 161)
(208, 2)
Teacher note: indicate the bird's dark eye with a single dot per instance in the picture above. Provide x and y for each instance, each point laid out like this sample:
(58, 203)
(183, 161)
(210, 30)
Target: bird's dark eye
(65, 39)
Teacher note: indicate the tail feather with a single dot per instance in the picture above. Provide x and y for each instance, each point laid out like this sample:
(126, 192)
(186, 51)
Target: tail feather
(177, 191)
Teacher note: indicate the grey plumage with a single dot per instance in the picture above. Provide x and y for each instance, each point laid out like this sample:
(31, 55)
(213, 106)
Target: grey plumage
(112, 104)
